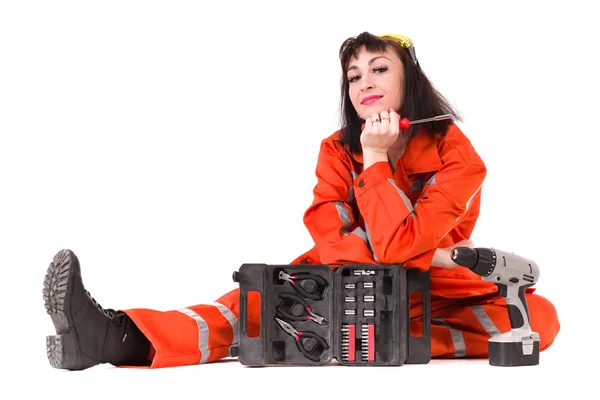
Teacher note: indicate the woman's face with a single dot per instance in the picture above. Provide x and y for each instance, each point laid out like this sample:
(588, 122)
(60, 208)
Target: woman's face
(375, 82)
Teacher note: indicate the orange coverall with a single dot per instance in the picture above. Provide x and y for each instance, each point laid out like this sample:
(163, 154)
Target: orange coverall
(378, 215)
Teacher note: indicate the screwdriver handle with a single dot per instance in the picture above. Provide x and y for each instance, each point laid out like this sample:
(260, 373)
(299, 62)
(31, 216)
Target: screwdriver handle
(404, 123)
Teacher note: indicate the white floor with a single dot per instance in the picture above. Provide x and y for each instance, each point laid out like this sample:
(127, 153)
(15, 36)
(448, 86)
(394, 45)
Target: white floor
(559, 373)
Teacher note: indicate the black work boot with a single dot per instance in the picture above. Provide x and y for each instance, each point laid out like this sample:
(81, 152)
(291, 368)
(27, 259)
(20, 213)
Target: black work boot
(86, 334)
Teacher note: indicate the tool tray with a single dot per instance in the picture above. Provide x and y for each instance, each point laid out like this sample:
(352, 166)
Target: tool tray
(356, 330)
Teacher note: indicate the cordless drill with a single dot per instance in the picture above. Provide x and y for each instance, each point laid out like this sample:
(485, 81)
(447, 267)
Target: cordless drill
(512, 274)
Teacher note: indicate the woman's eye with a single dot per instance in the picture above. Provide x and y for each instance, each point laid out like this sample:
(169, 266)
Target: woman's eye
(377, 70)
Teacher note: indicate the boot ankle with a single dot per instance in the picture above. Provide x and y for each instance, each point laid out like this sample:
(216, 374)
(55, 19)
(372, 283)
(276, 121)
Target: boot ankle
(126, 344)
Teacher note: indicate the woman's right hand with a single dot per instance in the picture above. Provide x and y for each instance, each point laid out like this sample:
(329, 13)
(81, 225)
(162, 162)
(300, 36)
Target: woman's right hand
(380, 132)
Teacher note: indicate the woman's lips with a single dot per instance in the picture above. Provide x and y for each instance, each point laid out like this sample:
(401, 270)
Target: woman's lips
(370, 99)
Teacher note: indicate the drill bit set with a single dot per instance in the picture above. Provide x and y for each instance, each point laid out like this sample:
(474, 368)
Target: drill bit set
(357, 315)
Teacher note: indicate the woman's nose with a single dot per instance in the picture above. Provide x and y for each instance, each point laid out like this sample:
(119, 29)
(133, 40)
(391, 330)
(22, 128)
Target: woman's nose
(366, 84)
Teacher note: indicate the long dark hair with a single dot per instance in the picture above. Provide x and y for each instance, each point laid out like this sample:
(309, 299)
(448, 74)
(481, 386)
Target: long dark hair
(420, 98)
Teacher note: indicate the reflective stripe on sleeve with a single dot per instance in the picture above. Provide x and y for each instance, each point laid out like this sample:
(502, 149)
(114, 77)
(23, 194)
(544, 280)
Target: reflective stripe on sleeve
(344, 216)
(370, 243)
(403, 196)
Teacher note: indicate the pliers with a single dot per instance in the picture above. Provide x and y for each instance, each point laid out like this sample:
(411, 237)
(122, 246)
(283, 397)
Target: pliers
(313, 354)
(289, 301)
(317, 294)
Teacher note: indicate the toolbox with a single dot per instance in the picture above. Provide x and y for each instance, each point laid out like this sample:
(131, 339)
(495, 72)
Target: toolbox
(357, 314)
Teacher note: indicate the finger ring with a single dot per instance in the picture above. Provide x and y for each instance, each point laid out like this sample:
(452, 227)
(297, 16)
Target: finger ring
(382, 118)
(375, 120)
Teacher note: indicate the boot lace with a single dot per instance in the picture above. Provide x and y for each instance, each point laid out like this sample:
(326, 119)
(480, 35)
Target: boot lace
(109, 312)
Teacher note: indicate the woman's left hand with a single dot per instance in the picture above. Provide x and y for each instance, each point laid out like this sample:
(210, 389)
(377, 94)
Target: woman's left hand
(442, 258)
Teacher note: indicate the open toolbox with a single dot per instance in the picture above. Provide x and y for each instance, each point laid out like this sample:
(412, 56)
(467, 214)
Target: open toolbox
(357, 314)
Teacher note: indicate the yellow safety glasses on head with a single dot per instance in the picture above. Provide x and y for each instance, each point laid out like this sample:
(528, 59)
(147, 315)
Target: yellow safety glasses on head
(403, 41)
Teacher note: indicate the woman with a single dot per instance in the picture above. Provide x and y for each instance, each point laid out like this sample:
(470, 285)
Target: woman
(384, 195)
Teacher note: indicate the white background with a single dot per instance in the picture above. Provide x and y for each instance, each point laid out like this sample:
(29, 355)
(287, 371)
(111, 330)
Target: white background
(167, 143)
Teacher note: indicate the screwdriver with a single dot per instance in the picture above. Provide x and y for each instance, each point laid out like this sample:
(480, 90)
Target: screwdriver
(405, 123)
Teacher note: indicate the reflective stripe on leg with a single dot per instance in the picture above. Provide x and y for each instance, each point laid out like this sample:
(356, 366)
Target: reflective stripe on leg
(485, 320)
(202, 333)
(460, 350)
(233, 321)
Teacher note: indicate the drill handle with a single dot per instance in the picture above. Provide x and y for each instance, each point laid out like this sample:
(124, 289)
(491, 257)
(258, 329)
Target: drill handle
(518, 311)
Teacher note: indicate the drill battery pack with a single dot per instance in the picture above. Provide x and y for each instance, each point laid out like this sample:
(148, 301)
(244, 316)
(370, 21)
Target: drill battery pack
(355, 315)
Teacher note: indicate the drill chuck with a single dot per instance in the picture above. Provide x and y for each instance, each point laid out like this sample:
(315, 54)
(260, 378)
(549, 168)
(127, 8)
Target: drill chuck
(482, 261)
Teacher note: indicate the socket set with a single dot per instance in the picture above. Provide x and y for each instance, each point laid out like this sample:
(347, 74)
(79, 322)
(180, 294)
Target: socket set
(366, 329)
(357, 314)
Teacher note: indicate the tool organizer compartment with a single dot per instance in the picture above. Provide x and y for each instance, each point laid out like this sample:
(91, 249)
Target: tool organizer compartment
(311, 315)
(302, 309)
(371, 320)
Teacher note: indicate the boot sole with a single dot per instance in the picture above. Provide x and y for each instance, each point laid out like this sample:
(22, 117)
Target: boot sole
(62, 349)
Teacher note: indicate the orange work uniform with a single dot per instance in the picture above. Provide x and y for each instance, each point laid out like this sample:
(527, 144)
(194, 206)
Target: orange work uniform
(383, 215)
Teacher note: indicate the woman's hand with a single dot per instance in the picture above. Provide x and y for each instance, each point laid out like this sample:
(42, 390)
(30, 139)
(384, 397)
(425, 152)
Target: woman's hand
(442, 258)
(380, 132)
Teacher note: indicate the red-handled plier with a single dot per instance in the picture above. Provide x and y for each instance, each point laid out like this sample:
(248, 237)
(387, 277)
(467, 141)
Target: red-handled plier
(317, 294)
(289, 301)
